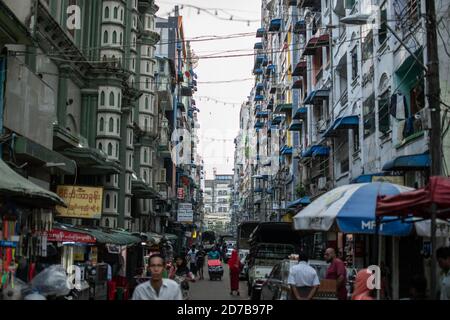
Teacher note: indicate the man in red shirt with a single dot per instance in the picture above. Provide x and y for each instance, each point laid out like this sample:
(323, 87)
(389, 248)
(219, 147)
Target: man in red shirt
(336, 271)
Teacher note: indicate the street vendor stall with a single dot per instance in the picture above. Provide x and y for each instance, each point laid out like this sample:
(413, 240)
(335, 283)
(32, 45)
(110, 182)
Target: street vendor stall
(24, 208)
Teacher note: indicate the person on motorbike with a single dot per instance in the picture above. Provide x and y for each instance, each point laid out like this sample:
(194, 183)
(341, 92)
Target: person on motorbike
(214, 254)
(181, 274)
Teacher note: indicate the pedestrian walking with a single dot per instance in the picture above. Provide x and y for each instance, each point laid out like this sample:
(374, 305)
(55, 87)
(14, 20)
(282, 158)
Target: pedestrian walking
(192, 257)
(182, 275)
(157, 288)
(336, 271)
(303, 279)
(234, 265)
(443, 257)
(361, 290)
(201, 262)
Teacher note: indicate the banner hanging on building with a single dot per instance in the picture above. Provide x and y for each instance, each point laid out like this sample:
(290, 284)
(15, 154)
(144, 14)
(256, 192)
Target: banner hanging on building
(185, 212)
(82, 202)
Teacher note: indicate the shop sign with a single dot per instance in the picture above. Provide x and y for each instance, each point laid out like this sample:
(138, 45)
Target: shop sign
(185, 212)
(400, 180)
(68, 236)
(82, 202)
(180, 193)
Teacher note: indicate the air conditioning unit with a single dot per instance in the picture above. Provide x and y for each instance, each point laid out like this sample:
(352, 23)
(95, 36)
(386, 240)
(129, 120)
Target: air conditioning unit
(424, 116)
(322, 183)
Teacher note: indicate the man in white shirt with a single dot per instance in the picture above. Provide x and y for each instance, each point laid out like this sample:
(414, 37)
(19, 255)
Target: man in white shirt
(443, 257)
(157, 288)
(303, 279)
(192, 258)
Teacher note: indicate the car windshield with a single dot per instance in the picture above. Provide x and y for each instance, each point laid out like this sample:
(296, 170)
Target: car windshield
(273, 251)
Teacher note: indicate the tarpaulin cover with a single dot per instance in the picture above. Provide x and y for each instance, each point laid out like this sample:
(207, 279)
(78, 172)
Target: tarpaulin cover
(418, 202)
(15, 187)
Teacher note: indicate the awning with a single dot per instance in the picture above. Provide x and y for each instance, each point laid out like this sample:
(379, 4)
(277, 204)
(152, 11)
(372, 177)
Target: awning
(141, 190)
(17, 188)
(301, 113)
(317, 95)
(406, 163)
(297, 84)
(258, 46)
(304, 201)
(286, 150)
(349, 122)
(262, 114)
(258, 71)
(277, 120)
(365, 178)
(259, 59)
(270, 68)
(295, 126)
(270, 105)
(92, 161)
(283, 107)
(259, 97)
(316, 42)
(316, 150)
(257, 108)
(105, 236)
(299, 68)
(260, 32)
(259, 87)
(259, 124)
(27, 150)
(300, 27)
(275, 25)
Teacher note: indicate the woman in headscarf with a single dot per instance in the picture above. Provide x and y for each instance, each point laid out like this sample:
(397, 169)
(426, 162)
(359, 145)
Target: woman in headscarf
(235, 268)
(361, 289)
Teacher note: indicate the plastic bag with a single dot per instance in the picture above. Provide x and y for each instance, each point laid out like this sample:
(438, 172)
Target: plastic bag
(16, 291)
(52, 281)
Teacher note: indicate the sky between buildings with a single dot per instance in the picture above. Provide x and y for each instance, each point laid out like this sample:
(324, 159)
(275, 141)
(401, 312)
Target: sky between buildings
(219, 123)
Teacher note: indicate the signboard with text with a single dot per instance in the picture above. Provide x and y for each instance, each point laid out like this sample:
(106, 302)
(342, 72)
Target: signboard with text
(180, 193)
(185, 212)
(82, 202)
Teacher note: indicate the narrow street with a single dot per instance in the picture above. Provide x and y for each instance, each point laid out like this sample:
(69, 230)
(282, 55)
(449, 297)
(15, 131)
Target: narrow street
(216, 290)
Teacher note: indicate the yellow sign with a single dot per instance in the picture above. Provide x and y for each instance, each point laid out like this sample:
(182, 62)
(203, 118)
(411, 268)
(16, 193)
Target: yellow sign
(400, 180)
(82, 202)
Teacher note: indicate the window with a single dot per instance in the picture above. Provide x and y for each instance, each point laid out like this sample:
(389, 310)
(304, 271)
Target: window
(110, 149)
(115, 201)
(354, 55)
(367, 47)
(106, 12)
(382, 32)
(145, 176)
(383, 112)
(105, 37)
(114, 37)
(146, 124)
(134, 63)
(116, 12)
(145, 156)
(129, 182)
(101, 125)
(355, 140)
(107, 201)
(117, 150)
(111, 99)
(161, 67)
(120, 38)
(121, 14)
(118, 125)
(108, 179)
(146, 103)
(106, 223)
(147, 84)
(119, 100)
(111, 125)
(148, 67)
(369, 116)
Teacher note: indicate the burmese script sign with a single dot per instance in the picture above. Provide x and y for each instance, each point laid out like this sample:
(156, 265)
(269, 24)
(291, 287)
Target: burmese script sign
(82, 202)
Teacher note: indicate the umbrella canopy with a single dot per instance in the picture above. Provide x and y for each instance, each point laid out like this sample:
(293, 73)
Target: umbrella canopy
(418, 202)
(352, 207)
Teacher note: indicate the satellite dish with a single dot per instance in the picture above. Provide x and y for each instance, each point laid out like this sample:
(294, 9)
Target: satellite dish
(339, 8)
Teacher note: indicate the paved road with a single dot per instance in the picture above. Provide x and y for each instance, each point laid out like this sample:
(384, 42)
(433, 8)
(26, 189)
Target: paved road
(216, 290)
